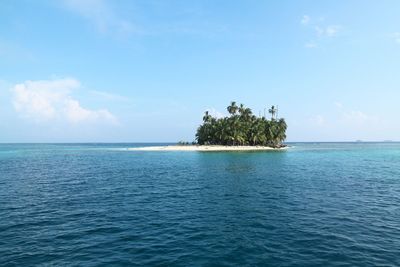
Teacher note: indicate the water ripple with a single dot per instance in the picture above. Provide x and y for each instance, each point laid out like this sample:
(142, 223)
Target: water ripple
(99, 205)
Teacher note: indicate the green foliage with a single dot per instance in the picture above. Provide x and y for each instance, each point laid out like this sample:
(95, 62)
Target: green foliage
(241, 127)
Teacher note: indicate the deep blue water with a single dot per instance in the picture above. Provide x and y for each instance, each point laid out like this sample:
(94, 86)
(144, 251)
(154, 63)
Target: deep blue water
(326, 204)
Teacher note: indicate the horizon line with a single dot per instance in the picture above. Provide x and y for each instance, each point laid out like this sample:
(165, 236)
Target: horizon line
(170, 142)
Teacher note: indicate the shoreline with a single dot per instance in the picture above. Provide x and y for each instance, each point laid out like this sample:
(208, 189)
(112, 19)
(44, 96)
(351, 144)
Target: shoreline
(204, 148)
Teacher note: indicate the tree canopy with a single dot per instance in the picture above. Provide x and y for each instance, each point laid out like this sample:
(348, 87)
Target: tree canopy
(241, 127)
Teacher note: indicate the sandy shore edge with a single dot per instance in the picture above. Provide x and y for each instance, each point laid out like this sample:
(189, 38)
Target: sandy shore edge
(203, 148)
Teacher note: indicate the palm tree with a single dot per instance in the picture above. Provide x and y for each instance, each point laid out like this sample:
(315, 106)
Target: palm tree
(233, 108)
(282, 126)
(207, 117)
(272, 111)
(242, 128)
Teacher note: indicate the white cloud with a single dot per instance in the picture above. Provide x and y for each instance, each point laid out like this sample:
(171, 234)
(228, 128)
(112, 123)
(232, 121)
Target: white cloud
(100, 14)
(305, 20)
(51, 99)
(75, 113)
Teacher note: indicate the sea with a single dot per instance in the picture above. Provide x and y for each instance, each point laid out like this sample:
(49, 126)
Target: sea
(313, 204)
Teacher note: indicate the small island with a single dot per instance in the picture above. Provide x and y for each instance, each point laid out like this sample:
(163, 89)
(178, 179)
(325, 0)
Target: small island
(241, 130)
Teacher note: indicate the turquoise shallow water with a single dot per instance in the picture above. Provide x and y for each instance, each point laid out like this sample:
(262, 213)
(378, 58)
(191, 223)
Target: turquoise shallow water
(329, 204)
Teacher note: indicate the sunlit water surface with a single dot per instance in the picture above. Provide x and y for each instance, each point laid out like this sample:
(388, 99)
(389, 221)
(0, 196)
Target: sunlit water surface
(326, 204)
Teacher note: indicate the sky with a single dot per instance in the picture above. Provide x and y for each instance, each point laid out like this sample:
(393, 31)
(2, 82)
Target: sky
(146, 70)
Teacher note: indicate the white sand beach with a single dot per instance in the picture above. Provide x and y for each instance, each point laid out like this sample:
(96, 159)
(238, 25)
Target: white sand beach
(203, 148)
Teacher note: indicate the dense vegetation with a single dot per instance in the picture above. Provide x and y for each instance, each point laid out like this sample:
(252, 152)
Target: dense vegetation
(242, 128)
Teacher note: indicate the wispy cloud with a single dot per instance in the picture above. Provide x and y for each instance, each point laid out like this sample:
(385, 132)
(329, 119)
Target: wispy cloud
(338, 105)
(311, 44)
(318, 120)
(328, 31)
(354, 117)
(47, 100)
(101, 15)
(321, 30)
(305, 20)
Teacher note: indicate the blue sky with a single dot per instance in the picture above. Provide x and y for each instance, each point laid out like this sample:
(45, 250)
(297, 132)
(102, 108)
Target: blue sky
(142, 71)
